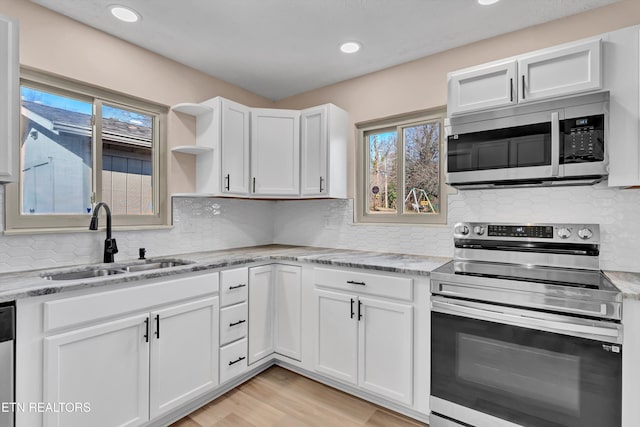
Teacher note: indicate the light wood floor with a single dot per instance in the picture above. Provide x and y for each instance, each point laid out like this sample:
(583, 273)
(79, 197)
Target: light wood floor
(278, 397)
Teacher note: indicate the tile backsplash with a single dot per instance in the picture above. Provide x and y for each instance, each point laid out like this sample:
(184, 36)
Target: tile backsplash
(330, 222)
(200, 224)
(214, 223)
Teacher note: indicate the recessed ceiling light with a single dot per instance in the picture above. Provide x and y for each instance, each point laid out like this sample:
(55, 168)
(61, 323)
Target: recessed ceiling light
(350, 47)
(124, 13)
(487, 2)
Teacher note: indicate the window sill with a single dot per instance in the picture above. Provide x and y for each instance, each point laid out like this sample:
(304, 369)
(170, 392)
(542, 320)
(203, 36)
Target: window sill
(64, 230)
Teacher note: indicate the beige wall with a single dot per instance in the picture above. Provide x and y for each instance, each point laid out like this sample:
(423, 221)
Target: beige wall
(57, 44)
(421, 84)
(54, 43)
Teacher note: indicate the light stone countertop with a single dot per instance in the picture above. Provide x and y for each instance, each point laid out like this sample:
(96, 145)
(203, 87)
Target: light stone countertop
(25, 284)
(628, 283)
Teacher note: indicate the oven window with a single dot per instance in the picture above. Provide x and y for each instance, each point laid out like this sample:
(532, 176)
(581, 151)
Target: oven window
(525, 376)
(520, 146)
(547, 377)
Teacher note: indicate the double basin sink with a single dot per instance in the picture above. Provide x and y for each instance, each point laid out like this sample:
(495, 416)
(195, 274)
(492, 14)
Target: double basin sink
(102, 271)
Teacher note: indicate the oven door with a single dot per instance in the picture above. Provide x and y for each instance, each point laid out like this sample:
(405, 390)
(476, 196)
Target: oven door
(502, 366)
(523, 147)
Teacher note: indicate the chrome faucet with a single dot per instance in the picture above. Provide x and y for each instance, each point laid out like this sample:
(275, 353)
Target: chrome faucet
(110, 247)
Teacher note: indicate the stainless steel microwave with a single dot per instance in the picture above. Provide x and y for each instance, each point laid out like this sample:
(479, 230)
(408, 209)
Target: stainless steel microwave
(559, 142)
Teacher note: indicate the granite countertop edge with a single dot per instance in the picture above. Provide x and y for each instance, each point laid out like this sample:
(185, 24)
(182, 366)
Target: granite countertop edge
(25, 284)
(627, 282)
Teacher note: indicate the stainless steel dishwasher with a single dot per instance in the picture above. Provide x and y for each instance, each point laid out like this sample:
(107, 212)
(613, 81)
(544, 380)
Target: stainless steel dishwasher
(7, 335)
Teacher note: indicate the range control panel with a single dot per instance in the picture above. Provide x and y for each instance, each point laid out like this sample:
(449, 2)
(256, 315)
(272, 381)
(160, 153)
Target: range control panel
(570, 233)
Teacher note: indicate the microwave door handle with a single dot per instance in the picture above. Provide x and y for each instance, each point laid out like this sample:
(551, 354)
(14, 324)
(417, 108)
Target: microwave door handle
(555, 144)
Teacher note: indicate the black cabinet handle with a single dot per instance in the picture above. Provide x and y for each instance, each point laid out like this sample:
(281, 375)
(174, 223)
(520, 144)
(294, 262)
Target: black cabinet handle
(254, 184)
(228, 179)
(352, 312)
(241, 285)
(359, 310)
(237, 323)
(146, 330)
(321, 182)
(523, 86)
(510, 89)
(240, 359)
(158, 326)
(351, 282)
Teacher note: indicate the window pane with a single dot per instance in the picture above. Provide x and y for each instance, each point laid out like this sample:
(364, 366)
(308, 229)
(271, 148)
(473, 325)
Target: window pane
(383, 176)
(422, 169)
(56, 153)
(127, 144)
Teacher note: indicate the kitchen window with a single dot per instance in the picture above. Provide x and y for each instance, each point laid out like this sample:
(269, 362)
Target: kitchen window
(401, 170)
(80, 145)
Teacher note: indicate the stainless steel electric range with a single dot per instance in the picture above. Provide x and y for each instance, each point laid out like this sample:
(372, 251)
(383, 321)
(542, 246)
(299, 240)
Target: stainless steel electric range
(525, 329)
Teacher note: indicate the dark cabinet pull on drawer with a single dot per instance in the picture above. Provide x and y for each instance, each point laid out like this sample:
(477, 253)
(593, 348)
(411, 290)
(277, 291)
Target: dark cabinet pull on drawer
(242, 285)
(240, 359)
(237, 323)
(351, 282)
(146, 327)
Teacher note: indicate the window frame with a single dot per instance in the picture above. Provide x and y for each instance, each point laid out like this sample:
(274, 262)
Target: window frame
(399, 122)
(16, 222)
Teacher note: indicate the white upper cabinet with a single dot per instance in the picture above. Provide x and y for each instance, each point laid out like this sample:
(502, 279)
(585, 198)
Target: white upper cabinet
(275, 152)
(234, 148)
(262, 152)
(9, 100)
(323, 140)
(549, 73)
(622, 80)
(482, 87)
(560, 71)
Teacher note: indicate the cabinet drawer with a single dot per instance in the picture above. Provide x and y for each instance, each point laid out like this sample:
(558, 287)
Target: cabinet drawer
(233, 360)
(365, 283)
(233, 286)
(233, 323)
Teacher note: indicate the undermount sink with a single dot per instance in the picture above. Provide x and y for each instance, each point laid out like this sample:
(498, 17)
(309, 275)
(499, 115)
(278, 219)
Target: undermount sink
(153, 266)
(84, 274)
(119, 269)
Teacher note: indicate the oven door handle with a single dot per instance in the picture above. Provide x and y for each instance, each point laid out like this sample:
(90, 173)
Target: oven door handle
(612, 332)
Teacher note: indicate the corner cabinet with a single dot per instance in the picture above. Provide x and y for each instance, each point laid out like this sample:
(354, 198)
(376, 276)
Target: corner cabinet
(9, 100)
(323, 140)
(275, 152)
(266, 153)
(563, 70)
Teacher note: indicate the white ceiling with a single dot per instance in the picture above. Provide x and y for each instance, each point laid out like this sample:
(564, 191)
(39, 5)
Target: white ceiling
(279, 48)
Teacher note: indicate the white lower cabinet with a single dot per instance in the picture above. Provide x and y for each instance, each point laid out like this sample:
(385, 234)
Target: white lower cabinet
(233, 360)
(288, 315)
(260, 312)
(133, 369)
(184, 354)
(366, 342)
(107, 366)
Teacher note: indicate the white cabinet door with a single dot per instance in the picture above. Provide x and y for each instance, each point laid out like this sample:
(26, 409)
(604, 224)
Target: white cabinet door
(260, 312)
(337, 335)
(621, 59)
(184, 354)
(275, 152)
(9, 100)
(386, 349)
(288, 315)
(313, 142)
(560, 71)
(106, 366)
(486, 86)
(234, 148)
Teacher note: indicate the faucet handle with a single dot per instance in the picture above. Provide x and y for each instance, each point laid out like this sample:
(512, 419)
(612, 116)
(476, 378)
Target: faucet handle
(141, 253)
(110, 246)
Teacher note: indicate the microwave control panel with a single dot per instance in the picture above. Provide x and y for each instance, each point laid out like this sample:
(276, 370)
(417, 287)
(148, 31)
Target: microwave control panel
(583, 139)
